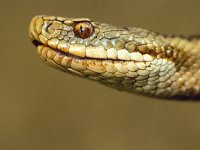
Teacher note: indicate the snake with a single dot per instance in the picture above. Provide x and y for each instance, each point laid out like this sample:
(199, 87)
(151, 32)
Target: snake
(131, 59)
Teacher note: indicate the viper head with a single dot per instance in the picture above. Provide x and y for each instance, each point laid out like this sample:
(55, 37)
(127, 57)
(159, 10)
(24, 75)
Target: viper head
(124, 58)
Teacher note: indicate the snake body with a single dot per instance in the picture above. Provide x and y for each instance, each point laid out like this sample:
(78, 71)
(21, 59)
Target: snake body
(129, 59)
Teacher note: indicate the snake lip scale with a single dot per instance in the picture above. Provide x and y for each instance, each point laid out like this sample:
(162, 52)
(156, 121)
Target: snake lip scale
(130, 59)
(36, 43)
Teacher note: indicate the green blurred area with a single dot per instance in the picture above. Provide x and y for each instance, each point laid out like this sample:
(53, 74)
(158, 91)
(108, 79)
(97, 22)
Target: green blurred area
(44, 109)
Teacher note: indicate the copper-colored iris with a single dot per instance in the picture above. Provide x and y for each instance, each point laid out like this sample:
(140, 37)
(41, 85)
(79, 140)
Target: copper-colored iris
(83, 29)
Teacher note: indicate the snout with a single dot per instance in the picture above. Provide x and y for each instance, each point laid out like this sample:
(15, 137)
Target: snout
(35, 28)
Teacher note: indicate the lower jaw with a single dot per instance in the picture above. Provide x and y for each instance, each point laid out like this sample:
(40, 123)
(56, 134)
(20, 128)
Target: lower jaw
(76, 65)
(83, 66)
(57, 59)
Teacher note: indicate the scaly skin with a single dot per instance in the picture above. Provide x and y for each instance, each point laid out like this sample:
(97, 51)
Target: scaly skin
(129, 59)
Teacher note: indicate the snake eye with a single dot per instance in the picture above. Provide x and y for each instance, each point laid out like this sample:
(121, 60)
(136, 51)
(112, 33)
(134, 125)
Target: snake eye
(83, 29)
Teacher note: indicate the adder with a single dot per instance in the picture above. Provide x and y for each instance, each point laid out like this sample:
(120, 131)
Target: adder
(129, 59)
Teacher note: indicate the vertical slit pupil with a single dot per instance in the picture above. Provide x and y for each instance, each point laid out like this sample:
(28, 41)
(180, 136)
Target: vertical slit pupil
(81, 29)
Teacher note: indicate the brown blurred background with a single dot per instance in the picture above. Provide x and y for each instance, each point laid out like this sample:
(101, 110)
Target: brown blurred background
(45, 109)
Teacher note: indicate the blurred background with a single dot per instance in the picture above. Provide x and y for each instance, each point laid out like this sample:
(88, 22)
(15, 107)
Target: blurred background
(42, 108)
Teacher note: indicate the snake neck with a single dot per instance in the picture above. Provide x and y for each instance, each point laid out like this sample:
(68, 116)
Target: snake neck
(186, 80)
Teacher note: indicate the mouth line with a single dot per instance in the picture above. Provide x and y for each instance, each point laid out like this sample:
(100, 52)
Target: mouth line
(37, 43)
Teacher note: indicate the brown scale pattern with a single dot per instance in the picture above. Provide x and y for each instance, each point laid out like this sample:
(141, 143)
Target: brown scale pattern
(129, 59)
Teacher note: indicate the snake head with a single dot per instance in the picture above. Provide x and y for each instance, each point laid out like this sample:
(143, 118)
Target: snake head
(131, 59)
